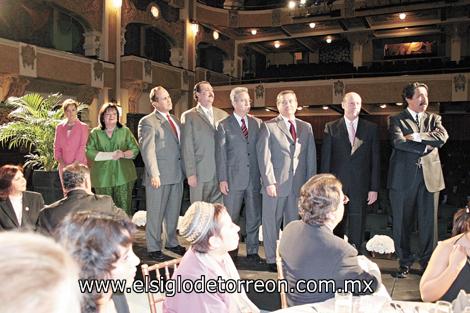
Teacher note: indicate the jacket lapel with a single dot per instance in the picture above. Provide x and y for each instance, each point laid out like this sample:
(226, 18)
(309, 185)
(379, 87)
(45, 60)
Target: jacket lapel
(236, 126)
(411, 121)
(203, 115)
(282, 126)
(343, 131)
(358, 139)
(164, 122)
(7, 207)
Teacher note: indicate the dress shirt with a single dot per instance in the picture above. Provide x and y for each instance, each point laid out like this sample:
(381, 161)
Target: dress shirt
(17, 203)
(416, 136)
(349, 128)
(209, 113)
(286, 121)
(174, 123)
(239, 120)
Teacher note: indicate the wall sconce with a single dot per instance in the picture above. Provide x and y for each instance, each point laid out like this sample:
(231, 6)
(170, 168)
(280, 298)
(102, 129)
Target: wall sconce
(277, 44)
(194, 27)
(254, 32)
(155, 11)
(329, 39)
(215, 35)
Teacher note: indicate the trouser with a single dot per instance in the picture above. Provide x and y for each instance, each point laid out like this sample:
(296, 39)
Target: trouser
(206, 191)
(252, 199)
(415, 199)
(122, 195)
(353, 222)
(275, 211)
(163, 211)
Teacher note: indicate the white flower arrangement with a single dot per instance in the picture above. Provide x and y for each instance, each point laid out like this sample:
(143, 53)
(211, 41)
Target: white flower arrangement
(140, 218)
(380, 244)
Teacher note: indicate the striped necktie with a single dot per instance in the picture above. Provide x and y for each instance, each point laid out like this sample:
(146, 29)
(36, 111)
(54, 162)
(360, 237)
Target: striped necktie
(244, 129)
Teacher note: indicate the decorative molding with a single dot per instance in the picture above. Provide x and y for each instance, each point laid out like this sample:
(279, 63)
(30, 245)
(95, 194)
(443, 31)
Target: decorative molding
(28, 60)
(147, 71)
(97, 74)
(276, 17)
(233, 18)
(259, 100)
(12, 86)
(92, 44)
(460, 87)
(177, 57)
(135, 90)
(338, 91)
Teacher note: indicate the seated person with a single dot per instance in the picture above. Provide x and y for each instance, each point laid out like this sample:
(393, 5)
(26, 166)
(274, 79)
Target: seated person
(310, 250)
(448, 270)
(101, 244)
(37, 275)
(212, 234)
(78, 197)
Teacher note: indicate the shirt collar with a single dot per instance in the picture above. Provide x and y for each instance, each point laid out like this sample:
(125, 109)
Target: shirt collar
(413, 113)
(355, 122)
(286, 120)
(206, 111)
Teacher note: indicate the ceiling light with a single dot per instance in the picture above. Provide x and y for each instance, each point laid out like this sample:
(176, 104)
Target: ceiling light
(194, 28)
(254, 31)
(277, 44)
(329, 39)
(325, 107)
(291, 4)
(155, 11)
(399, 104)
(215, 34)
(383, 106)
(402, 16)
(312, 25)
(300, 108)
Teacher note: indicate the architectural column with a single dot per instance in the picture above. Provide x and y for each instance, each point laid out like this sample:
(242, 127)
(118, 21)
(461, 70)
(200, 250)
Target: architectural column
(455, 32)
(357, 41)
(135, 90)
(92, 44)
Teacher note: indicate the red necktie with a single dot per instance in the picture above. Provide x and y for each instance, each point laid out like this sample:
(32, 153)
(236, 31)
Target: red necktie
(173, 127)
(292, 130)
(244, 129)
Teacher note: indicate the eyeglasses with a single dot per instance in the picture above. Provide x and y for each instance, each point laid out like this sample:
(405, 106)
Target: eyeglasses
(345, 199)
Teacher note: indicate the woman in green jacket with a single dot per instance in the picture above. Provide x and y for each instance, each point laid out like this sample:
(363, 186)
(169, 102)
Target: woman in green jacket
(111, 148)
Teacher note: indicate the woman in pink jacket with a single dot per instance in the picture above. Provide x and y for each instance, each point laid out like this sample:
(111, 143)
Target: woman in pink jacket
(71, 137)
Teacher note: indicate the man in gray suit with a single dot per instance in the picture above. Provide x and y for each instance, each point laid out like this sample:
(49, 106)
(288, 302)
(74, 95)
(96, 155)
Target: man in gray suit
(287, 159)
(198, 145)
(237, 167)
(415, 175)
(350, 151)
(77, 185)
(159, 139)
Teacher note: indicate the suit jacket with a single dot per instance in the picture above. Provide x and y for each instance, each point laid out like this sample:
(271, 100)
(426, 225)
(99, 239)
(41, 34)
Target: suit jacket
(318, 254)
(198, 142)
(32, 204)
(160, 149)
(235, 155)
(283, 162)
(406, 154)
(358, 166)
(75, 201)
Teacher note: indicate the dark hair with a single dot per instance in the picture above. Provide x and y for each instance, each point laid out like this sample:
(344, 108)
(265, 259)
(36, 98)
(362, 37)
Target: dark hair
(75, 175)
(319, 196)
(409, 90)
(214, 229)
(104, 108)
(93, 239)
(197, 88)
(7, 173)
(461, 221)
(69, 102)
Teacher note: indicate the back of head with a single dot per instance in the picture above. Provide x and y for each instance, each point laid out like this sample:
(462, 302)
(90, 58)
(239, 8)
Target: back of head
(75, 176)
(319, 196)
(461, 223)
(36, 275)
(94, 240)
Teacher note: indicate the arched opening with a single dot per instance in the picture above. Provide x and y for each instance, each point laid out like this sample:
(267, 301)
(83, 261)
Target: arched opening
(148, 42)
(210, 57)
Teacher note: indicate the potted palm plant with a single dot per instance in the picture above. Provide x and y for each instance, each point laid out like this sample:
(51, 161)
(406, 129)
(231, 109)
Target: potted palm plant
(34, 119)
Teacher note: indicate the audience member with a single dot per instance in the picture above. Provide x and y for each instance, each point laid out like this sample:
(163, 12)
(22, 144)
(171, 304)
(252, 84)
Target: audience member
(310, 250)
(70, 139)
(448, 271)
(111, 149)
(18, 208)
(37, 275)
(101, 243)
(211, 233)
(77, 184)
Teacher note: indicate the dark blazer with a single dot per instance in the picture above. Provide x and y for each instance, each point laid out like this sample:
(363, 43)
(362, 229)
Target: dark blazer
(235, 155)
(32, 204)
(76, 200)
(357, 167)
(318, 254)
(406, 154)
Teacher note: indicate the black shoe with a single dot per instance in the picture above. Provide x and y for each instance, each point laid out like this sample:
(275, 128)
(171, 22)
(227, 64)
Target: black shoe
(402, 272)
(157, 256)
(178, 249)
(255, 259)
(272, 267)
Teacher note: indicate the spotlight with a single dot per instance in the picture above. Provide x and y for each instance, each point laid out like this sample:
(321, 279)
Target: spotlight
(117, 3)
(291, 5)
(155, 11)
(399, 104)
(277, 44)
(254, 31)
(215, 35)
(402, 16)
(325, 107)
(312, 25)
(329, 39)
(383, 106)
(194, 27)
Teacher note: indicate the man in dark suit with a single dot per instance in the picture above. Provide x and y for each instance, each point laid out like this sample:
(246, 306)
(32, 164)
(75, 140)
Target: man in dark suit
(287, 159)
(237, 167)
(199, 125)
(159, 139)
(415, 175)
(310, 250)
(350, 151)
(77, 184)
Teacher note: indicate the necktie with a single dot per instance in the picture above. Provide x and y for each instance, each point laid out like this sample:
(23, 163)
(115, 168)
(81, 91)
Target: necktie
(210, 117)
(417, 119)
(244, 129)
(292, 130)
(172, 125)
(352, 133)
